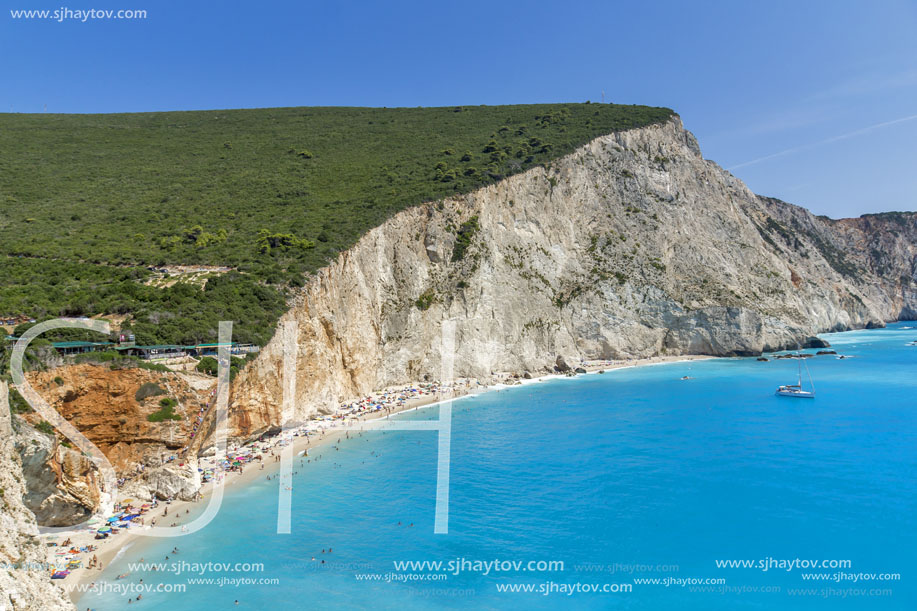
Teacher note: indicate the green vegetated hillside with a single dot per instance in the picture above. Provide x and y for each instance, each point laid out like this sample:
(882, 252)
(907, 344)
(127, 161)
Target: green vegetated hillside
(89, 202)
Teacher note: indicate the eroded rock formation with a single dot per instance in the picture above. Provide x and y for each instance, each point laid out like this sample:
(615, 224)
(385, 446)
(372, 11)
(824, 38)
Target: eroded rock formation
(105, 406)
(24, 580)
(62, 486)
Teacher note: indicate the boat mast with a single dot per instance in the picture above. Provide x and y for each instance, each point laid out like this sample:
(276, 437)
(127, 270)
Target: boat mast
(811, 381)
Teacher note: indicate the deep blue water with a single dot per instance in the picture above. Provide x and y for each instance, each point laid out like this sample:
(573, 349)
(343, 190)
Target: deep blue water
(632, 467)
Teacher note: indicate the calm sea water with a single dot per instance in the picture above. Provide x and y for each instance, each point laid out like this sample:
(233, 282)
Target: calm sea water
(630, 475)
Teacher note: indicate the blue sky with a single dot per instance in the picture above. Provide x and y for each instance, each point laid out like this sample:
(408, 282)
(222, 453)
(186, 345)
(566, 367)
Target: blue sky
(812, 102)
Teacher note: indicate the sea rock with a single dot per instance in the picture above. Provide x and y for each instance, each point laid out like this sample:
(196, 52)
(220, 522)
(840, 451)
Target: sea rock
(580, 370)
(166, 482)
(560, 365)
(815, 342)
(762, 358)
(822, 352)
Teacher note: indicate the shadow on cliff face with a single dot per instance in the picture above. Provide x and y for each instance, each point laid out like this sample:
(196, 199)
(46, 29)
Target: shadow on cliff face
(62, 487)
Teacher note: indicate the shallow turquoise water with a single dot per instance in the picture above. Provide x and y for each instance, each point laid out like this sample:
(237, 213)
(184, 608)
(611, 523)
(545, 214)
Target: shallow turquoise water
(634, 474)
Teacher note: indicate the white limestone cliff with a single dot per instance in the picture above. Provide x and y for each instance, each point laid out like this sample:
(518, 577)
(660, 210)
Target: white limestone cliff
(632, 246)
(24, 582)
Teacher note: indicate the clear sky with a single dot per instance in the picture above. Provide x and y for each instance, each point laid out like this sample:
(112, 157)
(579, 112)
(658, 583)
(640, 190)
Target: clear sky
(812, 102)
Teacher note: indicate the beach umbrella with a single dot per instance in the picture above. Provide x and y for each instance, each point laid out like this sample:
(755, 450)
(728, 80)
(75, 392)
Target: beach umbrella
(104, 529)
(113, 519)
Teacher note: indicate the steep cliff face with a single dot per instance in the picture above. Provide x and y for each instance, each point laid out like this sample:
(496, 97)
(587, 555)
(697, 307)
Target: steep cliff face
(632, 246)
(885, 245)
(24, 584)
(62, 485)
(110, 409)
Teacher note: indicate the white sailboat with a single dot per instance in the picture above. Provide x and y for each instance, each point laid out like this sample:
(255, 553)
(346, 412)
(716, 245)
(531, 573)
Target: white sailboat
(795, 390)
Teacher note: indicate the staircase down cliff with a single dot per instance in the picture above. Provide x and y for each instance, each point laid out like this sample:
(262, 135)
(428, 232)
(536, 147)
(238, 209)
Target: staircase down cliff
(632, 246)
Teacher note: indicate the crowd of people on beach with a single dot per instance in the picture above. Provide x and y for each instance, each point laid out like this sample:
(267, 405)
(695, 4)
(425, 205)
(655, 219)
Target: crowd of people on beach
(387, 400)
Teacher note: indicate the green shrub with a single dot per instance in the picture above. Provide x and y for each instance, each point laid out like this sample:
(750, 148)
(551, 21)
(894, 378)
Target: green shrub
(166, 411)
(45, 427)
(18, 405)
(147, 390)
(268, 242)
(464, 237)
(208, 365)
(425, 300)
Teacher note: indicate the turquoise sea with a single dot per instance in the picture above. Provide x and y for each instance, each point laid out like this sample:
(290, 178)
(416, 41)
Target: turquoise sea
(626, 477)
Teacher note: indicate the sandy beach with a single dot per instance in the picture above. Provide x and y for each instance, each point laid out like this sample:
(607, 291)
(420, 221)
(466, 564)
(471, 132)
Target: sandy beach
(115, 547)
